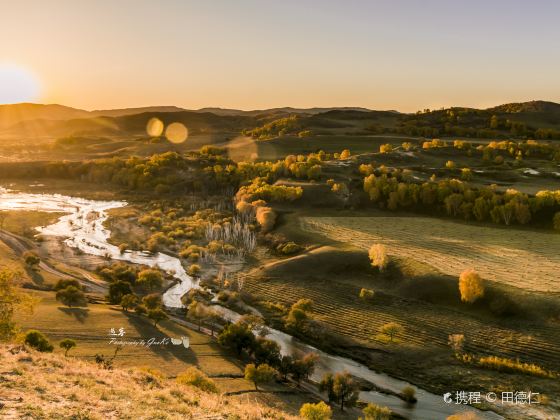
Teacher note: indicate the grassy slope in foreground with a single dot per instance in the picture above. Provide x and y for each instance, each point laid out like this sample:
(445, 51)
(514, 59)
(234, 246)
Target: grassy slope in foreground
(37, 385)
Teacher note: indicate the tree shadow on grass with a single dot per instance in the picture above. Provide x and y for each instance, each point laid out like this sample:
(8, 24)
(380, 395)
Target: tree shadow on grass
(79, 313)
(169, 351)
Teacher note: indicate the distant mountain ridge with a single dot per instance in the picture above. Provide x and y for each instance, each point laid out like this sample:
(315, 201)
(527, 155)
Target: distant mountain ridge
(532, 118)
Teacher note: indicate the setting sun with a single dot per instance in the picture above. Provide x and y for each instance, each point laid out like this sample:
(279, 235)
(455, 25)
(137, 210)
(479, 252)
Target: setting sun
(18, 84)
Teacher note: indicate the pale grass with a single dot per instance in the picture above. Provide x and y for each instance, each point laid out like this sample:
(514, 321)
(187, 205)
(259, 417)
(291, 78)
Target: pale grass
(42, 385)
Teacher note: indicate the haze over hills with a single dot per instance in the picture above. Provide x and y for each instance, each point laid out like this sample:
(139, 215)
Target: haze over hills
(539, 119)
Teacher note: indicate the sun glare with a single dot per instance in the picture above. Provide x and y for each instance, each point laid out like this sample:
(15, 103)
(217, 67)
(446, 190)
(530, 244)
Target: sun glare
(176, 132)
(154, 128)
(17, 84)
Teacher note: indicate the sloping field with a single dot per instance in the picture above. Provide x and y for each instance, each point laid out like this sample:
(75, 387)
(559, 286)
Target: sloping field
(525, 259)
(339, 307)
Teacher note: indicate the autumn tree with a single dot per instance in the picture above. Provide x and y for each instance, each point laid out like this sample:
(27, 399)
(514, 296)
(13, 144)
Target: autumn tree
(378, 256)
(471, 286)
(345, 389)
(129, 301)
(150, 279)
(12, 300)
(376, 412)
(391, 330)
(318, 411)
(259, 374)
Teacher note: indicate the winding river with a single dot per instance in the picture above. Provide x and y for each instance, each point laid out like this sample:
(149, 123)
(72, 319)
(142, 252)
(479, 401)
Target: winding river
(82, 227)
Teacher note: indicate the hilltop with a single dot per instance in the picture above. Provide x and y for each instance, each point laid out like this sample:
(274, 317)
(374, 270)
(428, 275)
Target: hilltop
(37, 385)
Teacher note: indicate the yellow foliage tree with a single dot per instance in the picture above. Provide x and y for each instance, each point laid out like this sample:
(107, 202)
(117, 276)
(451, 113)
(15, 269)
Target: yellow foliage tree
(470, 286)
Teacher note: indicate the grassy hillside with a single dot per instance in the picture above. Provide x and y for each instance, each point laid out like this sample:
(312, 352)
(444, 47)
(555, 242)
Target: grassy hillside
(39, 385)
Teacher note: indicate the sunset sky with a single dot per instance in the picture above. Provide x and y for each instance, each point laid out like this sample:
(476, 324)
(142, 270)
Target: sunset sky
(254, 54)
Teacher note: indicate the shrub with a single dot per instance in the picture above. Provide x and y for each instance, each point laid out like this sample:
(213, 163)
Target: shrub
(38, 341)
(376, 412)
(266, 218)
(194, 270)
(31, 259)
(318, 411)
(366, 294)
(470, 286)
(194, 377)
(503, 364)
(409, 394)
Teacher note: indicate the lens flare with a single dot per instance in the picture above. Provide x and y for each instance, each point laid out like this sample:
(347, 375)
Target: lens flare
(176, 132)
(242, 149)
(154, 128)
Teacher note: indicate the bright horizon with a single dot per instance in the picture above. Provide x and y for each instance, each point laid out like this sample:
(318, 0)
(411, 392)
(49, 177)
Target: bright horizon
(388, 55)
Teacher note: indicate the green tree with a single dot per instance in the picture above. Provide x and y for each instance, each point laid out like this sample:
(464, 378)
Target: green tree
(150, 279)
(237, 337)
(345, 389)
(12, 300)
(129, 301)
(71, 296)
(38, 341)
(157, 315)
(259, 374)
(117, 290)
(31, 259)
(64, 283)
(67, 344)
(266, 351)
(318, 411)
(152, 301)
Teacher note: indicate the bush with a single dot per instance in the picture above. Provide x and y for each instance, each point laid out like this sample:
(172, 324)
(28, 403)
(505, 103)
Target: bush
(366, 294)
(289, 248)
(194, 377)
(376, 412)
(409, 394)
(319, 411)
(38, 341)
(31, 259)
(194, 270)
